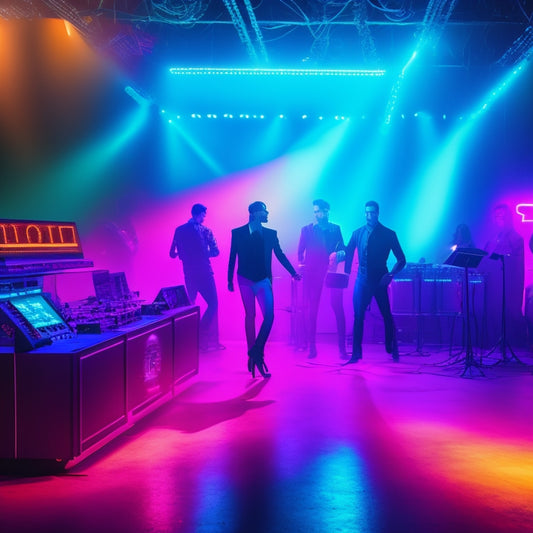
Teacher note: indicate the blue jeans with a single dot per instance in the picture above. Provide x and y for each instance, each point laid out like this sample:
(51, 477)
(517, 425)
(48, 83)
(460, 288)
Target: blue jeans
(262, 291)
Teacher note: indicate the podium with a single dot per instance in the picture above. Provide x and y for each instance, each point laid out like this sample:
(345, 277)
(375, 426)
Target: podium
(467, 258)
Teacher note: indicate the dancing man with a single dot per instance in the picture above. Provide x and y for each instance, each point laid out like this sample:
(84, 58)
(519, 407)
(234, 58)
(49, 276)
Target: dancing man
(253, 244)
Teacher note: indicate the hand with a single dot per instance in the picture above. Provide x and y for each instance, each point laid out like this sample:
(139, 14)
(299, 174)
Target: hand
(173, 254)
(296, 276)
(385, 280)
(230, 286)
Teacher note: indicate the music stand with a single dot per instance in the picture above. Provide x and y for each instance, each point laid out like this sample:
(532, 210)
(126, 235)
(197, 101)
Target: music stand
(467, 258)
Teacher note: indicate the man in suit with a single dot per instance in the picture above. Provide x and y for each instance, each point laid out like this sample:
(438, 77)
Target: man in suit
(374, 242)
(253, 245)
(320, 248)
(195, 244)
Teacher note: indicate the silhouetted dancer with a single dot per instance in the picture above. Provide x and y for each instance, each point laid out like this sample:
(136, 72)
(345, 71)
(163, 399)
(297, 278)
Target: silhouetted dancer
(252, 246)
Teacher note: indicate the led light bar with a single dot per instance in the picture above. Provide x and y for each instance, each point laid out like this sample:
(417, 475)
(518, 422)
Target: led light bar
(205, 71)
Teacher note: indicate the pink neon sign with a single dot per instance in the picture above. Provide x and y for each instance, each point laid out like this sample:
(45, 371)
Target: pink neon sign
(525, 211)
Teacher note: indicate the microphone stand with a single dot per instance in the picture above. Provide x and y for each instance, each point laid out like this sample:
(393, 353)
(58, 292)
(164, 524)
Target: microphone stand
(502, 343)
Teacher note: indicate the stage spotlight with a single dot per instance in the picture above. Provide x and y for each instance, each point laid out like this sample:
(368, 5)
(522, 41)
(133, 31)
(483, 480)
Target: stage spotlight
(304, 116)
(137, 96)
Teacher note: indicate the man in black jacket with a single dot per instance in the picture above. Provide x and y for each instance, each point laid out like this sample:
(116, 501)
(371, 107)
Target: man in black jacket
(374, 242)
(195, 244)
(253, 245)
(320, 248)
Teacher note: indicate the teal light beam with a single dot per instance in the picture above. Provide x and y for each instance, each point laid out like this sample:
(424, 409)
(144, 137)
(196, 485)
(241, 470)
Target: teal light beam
(73, 184)
(195, 146)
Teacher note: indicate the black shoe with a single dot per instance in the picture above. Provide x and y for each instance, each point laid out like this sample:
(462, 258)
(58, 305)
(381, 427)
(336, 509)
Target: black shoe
(353, 359)
(391, 347)
(343, 354)
(250, 364)
(312, 353)
(396, 356)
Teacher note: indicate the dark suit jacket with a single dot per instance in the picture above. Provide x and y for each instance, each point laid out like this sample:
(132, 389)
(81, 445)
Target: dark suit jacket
(317, 244)
(243, 248)
(381, 242)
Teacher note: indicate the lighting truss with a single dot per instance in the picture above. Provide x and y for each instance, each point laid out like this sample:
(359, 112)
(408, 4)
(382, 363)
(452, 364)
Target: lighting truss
(20, 10)
(242, 30)
(520, 50)
(360, 19)
(257, 30)
(69, 13)
(436, 17)
(207, 71)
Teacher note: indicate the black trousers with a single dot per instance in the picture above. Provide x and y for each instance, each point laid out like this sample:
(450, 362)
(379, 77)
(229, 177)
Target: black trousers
(364, 290)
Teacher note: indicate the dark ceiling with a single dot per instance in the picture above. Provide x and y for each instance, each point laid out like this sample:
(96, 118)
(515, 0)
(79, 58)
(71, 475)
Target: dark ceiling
(292, 33)
(473, 39)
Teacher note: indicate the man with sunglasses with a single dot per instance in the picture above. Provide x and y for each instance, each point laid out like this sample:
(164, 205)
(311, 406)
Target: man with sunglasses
(252, 246)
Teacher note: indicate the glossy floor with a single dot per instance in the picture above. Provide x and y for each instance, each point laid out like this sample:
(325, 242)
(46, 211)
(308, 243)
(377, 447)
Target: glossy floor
(374, 447)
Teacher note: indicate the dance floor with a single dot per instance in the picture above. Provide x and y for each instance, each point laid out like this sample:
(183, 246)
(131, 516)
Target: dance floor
(408, 447)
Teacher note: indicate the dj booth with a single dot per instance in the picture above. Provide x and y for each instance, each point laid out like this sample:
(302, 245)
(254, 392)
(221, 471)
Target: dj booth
(72, 381)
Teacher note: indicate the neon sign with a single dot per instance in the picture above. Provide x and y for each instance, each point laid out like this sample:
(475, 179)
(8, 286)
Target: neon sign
(22, 237)
(526, 211)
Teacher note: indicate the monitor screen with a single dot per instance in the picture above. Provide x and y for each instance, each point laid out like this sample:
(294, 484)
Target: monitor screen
(36, 310)
(173, 297)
